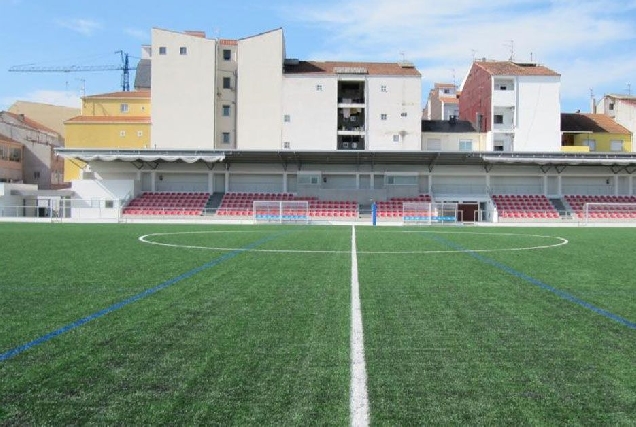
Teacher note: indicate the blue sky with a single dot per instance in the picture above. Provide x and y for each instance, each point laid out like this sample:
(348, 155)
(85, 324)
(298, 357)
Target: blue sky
(589, 42)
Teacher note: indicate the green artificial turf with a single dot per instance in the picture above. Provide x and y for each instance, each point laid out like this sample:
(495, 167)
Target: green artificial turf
(250, 325)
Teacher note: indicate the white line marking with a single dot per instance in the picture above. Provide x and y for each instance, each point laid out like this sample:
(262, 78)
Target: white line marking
(146, 239)
(358, 398)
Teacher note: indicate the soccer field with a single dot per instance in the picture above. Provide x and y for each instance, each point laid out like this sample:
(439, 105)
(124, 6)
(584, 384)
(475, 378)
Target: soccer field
(252, 325)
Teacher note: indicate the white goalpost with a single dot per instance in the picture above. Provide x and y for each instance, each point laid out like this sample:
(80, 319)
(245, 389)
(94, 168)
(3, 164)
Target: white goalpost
(608, 212)
(281, 211)
(427, 213)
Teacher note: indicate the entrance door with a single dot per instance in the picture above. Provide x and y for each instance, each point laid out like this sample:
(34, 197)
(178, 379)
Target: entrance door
(468, 211)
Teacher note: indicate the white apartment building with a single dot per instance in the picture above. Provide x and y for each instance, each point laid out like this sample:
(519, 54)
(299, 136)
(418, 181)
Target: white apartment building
(245, 94)
(516, 104)
(442, 103)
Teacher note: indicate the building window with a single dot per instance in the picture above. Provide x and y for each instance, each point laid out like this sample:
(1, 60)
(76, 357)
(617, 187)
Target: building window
(227, 54)
(286, 145)
(396, 138)
(383, 88)
(226, 111)
(383, 116)
(590, 143)
(287, 118)
(498, 119)
(465, 145)
(611, 106)
(226, 137)
(318, 88)
(404, 114)
(616, 145)
(140, 133)
(434, 144)
(183, 50)
(498, 146)
(122, 133)
(446, 91)
(36, 175)
(162, 50)
(123, 108)
(226, 82)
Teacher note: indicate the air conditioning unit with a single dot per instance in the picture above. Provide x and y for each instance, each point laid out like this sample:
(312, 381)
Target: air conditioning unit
(354, 145)
(345, 145)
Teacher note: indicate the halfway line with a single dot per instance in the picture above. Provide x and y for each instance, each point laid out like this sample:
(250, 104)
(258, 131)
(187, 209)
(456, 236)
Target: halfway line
(358, 398)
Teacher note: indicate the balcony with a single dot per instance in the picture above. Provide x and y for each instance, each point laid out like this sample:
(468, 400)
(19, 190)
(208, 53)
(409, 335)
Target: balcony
(351, 121)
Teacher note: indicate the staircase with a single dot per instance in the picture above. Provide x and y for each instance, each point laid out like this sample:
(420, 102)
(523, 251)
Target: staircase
(564, 211)
(213, 203)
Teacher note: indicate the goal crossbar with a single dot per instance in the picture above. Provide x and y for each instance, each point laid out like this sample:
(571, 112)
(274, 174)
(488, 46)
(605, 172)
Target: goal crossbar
(426, 213)
(281, 211)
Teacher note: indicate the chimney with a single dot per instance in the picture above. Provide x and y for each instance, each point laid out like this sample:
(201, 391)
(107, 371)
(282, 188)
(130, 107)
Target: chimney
(592, 102)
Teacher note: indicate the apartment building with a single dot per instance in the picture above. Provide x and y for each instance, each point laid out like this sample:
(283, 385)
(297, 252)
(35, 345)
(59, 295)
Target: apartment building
(115, 120)
(621, 108)
(442, 102)
(593, 132)
(516, 104)
(246, 94)
(40, 164)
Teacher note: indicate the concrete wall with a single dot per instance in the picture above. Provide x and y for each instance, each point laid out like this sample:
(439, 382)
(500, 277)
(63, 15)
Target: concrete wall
(259, 91)
(183, 91)
(538, 122)
(313, 114)
(401, 102)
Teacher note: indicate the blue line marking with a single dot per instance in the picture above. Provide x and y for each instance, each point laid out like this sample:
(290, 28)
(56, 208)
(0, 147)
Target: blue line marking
(536, 282)
(44, 338)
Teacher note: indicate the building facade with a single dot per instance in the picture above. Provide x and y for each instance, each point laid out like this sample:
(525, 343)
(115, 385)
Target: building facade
(117, 120)
(40, 164)
(442, 103)
(516, 104)
(594, 132)
(621, 108)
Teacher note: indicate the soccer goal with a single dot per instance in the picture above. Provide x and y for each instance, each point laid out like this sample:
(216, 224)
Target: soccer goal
(427, 213)
(281, 211)
(608, 212)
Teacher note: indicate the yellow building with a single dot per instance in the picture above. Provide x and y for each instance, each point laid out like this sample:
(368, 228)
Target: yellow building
(593, 133)
(118, 120)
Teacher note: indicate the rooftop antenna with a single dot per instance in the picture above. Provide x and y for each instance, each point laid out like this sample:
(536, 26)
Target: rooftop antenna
(511, 45)
(454, 82)
(474, 53)
(629, 89)
(402, 54)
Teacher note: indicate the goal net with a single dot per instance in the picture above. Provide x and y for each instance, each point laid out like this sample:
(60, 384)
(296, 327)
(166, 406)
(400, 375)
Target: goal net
(288, 211)
(608, 212)
(426, 213)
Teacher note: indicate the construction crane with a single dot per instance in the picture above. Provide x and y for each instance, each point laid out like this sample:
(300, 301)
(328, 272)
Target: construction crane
(124, 67)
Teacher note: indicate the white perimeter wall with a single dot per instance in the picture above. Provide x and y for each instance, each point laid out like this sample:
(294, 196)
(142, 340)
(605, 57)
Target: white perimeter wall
(313, 114)
(183, 91)
(403, 95)
(538, 122)
(259, 91)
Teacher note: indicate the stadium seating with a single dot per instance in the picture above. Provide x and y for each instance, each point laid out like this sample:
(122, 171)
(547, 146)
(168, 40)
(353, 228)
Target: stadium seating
(526, 206)
(392, 208)
(577, 203)
(168, 203)
(241, 204)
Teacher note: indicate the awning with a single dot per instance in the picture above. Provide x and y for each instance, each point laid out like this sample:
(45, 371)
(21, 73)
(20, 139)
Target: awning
(138, 156)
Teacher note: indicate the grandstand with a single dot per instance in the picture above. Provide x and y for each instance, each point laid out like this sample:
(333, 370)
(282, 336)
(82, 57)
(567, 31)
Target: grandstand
(241, 205)
(526, 206)
(167, 203)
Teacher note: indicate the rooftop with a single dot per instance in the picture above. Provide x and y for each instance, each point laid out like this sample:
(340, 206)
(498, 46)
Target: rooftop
(109, 119)
(135, 94)
(596, 123)
(341, 67)
(509, 68)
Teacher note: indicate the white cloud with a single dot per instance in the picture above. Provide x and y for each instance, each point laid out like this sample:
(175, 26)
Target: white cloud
(53, 97)
(575, 38)
(83, 26)
(138, 34)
